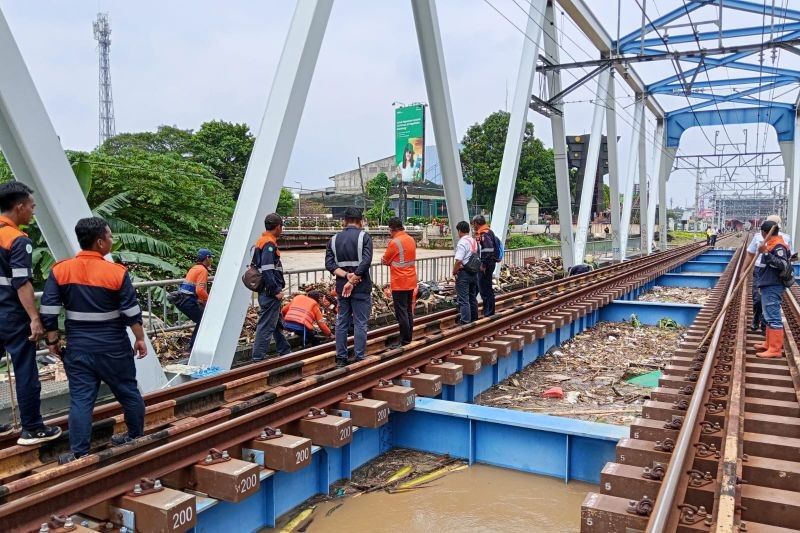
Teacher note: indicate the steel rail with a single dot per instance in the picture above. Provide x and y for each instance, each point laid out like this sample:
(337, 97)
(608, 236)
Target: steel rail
(375, 337)
(108, 481)
(664, 505)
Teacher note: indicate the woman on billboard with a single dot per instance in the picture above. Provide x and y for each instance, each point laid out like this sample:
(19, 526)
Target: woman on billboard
(407, 169)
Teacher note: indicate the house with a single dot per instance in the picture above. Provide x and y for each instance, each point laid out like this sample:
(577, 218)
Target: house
(524, 209)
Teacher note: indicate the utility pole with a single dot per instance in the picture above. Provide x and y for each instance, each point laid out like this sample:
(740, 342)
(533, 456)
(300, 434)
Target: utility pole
(102, 34)
(363, 190)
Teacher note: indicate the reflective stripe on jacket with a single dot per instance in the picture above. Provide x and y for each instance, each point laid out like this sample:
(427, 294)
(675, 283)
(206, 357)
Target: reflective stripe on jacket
(401, 256)
(99, 300)
(306, 312)
(196, 282)
(267, 257)
(350, 250)
(15, 269)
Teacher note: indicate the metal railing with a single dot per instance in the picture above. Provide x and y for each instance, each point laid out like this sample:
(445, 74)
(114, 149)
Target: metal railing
(159, 315)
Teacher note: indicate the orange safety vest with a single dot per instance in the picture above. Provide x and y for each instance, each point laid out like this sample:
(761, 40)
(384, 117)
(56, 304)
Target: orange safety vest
(401, 255)
(304, 310)
(196, 282)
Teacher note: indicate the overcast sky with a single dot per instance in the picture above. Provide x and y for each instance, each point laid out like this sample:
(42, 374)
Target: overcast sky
(182, 63)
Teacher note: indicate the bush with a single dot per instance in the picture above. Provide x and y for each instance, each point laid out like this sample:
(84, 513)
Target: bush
(527, 241)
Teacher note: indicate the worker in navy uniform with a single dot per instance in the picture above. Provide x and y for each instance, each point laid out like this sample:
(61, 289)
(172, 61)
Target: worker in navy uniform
(485, 238)
(267, 258)
(348, 257)
(99, 303)
(20, 324)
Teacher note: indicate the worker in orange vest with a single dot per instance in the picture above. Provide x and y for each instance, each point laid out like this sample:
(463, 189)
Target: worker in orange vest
(400, 256)
(192, 294)
(302, 313)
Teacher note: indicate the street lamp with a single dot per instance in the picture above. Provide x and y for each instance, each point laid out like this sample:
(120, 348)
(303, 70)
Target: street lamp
(299, 196)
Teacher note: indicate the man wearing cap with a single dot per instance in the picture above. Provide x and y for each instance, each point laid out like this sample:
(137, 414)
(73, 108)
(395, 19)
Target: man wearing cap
(758, 269)
(193, 291)
(348, 257)
(775, 254)
(400, 257)
(267, 258)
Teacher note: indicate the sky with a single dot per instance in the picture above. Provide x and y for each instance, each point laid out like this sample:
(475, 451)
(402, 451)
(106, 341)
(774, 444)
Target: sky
(182, 63)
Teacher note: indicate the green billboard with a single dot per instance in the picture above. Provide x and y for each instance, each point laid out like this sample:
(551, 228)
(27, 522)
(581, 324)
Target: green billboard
(409, 138)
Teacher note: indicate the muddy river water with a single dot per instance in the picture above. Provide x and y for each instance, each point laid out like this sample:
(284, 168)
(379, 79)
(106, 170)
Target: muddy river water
(477, 499)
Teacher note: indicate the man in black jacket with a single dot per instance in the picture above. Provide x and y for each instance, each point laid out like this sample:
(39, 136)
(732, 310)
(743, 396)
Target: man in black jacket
(348, 257)
(267, 258)
(485, 238)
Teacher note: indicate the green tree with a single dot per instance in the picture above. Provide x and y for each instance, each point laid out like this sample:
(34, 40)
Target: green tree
(378, 189)
(165, 139)
(482, 155)
(225, 148)
(170, 198)
(286, 203)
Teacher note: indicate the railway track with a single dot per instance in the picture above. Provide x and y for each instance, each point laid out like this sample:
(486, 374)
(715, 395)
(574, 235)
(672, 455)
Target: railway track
(231, 411)
(718, 445)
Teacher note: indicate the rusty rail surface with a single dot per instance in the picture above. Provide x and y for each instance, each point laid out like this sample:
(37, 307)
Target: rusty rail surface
(526, 316)
(717, 447)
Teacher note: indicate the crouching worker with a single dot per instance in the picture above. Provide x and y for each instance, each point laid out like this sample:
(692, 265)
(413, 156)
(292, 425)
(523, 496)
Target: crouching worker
(302, 313)
(99, 302)
(192, 295)
(774, 278)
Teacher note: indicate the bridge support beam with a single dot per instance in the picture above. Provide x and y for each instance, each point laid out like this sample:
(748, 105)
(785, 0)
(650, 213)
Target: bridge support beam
(654, 184)
(36, 157)
(613, 167)
(630, 178)
(517, 122)
(644, 246)
(429, 38)
(219, 331)
(590, 169)
(552, 53)
(794, 200)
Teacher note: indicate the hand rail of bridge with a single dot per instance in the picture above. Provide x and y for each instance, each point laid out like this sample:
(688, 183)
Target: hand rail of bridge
(160, 316)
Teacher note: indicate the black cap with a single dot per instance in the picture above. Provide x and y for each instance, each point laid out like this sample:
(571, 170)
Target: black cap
(767, 225)
(354, 212)
(272, 221)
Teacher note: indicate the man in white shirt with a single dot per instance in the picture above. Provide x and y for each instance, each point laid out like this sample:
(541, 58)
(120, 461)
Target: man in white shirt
(752, 251)
(465, 270)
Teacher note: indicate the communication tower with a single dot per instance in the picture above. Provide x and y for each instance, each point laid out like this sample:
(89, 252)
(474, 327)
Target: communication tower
(102, 34)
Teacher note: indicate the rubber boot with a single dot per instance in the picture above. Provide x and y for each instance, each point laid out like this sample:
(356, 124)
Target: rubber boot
(775, 344)
(761, 346)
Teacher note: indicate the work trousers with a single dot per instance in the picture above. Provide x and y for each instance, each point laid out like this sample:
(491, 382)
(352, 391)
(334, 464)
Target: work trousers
(486, 290)
(14, 335)
(190, 306)
(269, 326)
(758, 315)
(404, 312)
(85, 372)
(355, 311)
(308, 335)
(771, 297)
(466, 296)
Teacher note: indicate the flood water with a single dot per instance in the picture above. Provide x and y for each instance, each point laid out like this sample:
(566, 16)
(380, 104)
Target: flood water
(478, 499)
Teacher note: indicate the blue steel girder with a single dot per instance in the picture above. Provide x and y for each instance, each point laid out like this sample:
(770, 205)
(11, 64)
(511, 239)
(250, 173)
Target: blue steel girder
(778, 116)
(738, 97)
(678, 88)
(659, 22)
(635, 46)
(751, 7)
(730, 60)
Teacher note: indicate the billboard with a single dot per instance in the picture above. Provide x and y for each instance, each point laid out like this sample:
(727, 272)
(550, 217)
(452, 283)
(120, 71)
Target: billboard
(409, 142)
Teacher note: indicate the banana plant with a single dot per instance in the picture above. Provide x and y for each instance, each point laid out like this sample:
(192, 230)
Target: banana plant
(132, 246)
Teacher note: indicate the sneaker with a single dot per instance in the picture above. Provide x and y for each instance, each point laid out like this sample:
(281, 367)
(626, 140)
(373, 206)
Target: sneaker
(341, 363)
(121, 439)
(66, 458)
(6, 429)
(38, 436)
